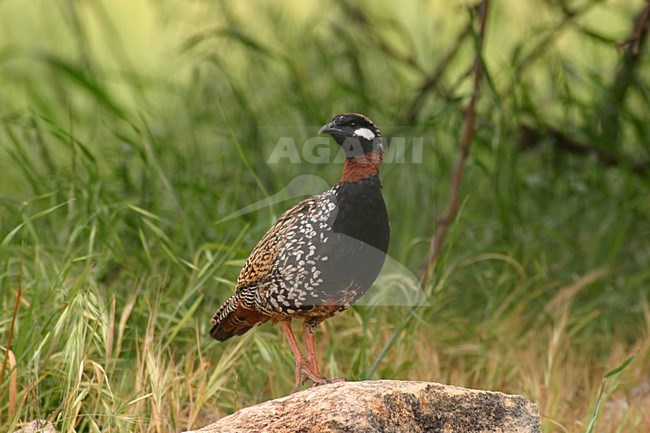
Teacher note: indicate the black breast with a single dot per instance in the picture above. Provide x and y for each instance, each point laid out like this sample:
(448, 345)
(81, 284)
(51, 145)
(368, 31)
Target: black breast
(362, 213)
(360, 237)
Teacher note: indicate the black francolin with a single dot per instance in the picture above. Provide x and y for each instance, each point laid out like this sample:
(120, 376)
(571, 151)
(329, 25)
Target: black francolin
(321, 256)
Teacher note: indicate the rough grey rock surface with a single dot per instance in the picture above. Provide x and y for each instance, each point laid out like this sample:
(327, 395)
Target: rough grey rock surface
(389, 406)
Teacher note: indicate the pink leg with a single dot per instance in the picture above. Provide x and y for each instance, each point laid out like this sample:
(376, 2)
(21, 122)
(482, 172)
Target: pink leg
(308, 331)
(302, 365)
(310, 342)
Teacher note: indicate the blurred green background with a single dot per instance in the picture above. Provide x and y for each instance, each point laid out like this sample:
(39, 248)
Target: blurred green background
(130, 129)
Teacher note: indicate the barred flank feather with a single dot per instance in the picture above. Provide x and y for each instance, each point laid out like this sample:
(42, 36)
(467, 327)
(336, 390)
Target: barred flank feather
(233, 318)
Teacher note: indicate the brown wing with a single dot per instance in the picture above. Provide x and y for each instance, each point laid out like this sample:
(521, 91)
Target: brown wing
(261, 260)
(238, 314)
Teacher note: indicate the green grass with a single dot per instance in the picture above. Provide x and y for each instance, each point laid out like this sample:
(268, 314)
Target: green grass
(128, 132)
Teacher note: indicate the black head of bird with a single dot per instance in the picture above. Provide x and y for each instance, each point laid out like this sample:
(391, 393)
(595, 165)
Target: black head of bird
(355, 133)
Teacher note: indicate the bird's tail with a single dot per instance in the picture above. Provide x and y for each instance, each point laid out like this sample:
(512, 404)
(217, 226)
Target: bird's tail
(234, 318)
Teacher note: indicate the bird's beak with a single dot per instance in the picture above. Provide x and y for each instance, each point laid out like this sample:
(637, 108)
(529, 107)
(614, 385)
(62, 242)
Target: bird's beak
(327, 129)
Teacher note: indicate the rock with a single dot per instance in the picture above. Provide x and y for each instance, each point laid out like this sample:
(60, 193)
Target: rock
(385, 406)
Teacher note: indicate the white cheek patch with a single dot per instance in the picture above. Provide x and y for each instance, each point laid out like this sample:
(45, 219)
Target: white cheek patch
(364, 133)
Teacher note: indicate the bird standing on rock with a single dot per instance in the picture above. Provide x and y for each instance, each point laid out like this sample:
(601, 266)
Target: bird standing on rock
(321, 255)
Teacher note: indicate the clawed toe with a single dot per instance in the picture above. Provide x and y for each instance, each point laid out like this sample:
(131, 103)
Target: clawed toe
(318, 380)
(337, 380)
(304, 367)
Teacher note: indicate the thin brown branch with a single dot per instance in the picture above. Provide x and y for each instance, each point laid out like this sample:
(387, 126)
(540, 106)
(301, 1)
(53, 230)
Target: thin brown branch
(531, 137)
(547, 42)
(432, 79)
(459, 80)
(641, 29)
(376, 37)
(465, 144)
(613, 103)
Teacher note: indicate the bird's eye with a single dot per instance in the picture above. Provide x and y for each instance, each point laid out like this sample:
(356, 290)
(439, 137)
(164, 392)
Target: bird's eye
(353, 124)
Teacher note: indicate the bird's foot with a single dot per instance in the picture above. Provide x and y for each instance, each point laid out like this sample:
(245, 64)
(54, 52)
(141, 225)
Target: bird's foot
(316, 379)
(337, 380)
(302, 366)
(322, 380)
(325, 381)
